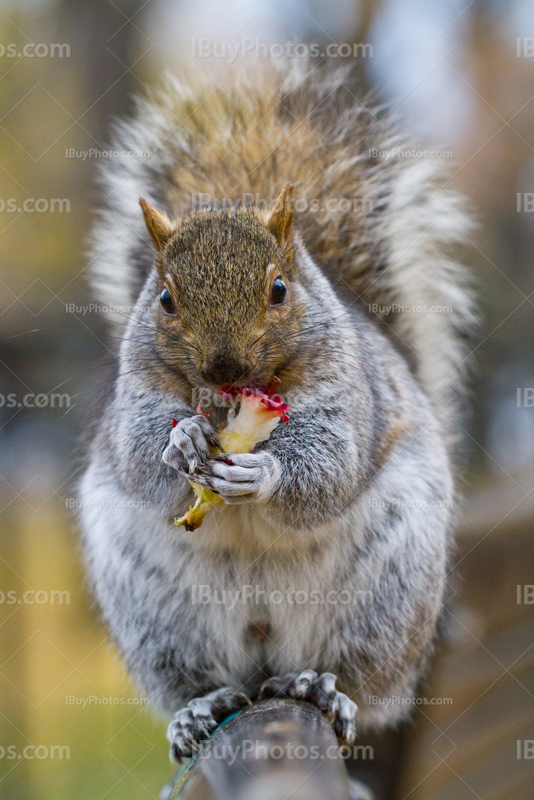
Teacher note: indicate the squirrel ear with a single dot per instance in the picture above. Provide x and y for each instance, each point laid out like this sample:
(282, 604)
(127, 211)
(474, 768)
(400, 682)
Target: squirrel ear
(159, 225)
(280, 222)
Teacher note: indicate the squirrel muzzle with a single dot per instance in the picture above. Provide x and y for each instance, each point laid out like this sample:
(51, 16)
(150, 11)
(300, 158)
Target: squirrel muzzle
(223, 369)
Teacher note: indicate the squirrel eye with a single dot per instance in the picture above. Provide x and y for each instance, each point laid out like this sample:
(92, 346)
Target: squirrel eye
(167, 304)
(278, 293)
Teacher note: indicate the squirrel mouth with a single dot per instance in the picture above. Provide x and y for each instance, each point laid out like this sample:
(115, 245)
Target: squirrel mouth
(254, 388)
(230, 394)
(245, 381)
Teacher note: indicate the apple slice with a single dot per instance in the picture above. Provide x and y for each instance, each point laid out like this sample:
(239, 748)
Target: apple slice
(259, 413)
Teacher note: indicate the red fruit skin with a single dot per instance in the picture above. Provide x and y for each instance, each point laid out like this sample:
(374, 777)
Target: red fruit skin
(266, 395)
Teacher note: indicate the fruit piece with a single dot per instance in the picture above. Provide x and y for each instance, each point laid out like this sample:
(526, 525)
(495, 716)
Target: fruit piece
(259, 414)
(193, 518)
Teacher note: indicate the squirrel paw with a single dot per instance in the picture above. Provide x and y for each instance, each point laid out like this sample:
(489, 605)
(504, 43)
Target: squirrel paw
(194, 723)
(189, 444)
(249, 477)
(320, 690)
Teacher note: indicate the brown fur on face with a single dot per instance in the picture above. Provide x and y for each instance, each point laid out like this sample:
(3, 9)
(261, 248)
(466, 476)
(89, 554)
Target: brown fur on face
(218, 269)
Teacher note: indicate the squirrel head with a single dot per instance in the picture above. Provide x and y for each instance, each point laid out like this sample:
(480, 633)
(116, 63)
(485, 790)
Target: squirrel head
(230, 298)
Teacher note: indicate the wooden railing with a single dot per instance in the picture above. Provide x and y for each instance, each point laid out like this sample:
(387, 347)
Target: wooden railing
(271, 751)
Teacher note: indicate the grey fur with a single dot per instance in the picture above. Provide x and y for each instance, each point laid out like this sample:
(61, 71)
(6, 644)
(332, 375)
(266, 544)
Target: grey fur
(354, 495)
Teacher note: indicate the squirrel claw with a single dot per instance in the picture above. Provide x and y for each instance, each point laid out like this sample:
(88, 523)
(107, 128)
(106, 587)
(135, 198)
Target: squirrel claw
(203, 469)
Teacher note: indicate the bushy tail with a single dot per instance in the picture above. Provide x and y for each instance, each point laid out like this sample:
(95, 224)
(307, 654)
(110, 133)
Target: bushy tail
(380, 220)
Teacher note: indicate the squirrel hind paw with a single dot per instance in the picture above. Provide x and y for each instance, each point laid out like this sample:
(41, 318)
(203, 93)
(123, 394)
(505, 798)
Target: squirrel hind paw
(320, 690)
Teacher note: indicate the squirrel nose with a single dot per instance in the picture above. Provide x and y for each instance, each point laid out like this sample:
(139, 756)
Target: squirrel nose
(224, 369)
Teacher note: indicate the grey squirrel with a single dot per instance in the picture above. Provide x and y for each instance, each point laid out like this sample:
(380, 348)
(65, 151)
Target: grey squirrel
(323, 574)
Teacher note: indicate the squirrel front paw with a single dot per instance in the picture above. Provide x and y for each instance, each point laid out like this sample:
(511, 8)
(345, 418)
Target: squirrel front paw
(189, 444)
(244, 478)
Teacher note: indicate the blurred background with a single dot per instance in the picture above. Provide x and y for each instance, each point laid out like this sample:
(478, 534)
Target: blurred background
(460, 73)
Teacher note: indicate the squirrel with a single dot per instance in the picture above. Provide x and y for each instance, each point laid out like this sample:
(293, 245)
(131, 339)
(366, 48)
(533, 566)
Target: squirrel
(321, 256)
